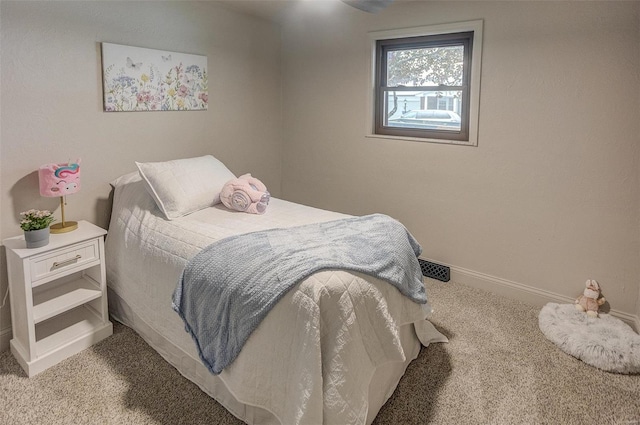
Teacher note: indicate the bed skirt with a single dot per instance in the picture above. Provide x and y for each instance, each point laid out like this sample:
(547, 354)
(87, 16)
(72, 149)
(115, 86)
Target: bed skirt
(385, 377)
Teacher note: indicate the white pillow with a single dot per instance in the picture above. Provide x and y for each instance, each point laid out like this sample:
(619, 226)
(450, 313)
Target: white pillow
(183, 186)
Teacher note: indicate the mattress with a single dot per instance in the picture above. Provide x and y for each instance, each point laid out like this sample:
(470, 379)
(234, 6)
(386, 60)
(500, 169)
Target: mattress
(312, 360)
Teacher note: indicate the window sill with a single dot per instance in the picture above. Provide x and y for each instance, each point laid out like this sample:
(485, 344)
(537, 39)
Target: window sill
(420, 139)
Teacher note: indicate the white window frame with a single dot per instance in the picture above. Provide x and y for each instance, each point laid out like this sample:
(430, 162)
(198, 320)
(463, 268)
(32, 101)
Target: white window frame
(476, 61)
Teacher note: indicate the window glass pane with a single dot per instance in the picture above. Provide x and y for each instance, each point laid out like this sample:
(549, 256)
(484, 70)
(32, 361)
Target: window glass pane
(430, 66)
(426, 110)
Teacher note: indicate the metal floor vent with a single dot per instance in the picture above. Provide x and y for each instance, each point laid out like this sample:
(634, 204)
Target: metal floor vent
(434, 271)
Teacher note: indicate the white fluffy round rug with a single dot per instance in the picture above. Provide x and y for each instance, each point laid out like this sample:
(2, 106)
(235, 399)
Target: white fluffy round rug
(605, 342)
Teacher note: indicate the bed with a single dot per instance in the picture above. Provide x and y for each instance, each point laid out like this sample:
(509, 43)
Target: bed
(332, 350)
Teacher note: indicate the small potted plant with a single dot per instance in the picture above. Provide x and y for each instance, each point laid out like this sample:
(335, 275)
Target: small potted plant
(35, 224)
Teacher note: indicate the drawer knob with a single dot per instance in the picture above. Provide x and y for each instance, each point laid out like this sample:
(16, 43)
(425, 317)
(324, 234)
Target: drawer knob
(65, 262)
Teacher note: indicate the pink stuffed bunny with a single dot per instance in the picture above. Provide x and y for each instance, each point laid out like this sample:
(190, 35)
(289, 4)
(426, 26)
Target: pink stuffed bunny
(246, 194)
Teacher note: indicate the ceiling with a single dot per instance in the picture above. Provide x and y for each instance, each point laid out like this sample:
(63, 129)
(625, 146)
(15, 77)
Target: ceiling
(267, 9)
(273, 10)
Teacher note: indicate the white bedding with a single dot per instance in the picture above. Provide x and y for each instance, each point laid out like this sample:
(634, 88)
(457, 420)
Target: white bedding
(314, 358)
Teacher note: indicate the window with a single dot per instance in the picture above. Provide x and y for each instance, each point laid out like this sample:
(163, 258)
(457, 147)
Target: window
(426, 83)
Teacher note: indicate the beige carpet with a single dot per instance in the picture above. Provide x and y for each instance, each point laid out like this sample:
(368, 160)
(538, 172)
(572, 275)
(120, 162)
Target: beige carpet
(498, 368)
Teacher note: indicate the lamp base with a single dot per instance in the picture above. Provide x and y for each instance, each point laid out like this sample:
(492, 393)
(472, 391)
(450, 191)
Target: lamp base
(65, 227)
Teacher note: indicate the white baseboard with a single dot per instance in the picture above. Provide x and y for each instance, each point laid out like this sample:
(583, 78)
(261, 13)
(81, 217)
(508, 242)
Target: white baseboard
(520, 292)
(5, 337)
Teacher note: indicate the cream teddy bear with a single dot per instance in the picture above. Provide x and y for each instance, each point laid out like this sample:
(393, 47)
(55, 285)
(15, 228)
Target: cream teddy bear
(590, 299)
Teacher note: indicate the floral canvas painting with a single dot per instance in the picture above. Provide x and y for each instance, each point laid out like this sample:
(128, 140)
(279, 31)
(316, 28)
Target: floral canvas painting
(139, 79)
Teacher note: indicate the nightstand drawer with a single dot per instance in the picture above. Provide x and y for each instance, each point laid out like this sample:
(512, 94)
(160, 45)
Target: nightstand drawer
(72, 258)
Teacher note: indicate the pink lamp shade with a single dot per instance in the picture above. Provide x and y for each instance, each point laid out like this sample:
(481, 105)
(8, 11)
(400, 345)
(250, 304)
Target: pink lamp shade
(59, 179)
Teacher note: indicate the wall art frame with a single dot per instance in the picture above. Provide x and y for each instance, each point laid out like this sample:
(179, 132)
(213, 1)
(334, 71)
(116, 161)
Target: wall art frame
(141, 79)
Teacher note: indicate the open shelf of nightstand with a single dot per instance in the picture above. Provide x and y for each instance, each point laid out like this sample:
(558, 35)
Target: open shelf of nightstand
(54, 300)
(65, 328)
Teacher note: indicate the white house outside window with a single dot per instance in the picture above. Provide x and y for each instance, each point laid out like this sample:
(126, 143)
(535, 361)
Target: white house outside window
(426, 83)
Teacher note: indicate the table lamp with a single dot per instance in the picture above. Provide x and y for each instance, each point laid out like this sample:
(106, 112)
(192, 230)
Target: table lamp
(60, 180)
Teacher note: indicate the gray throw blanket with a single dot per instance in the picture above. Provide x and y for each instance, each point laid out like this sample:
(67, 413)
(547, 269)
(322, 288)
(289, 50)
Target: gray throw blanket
(228, 288)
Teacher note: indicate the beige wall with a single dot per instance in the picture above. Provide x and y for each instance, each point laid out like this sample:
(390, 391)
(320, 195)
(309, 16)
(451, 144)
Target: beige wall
(638, 184)
(548, 199)
(52, 99)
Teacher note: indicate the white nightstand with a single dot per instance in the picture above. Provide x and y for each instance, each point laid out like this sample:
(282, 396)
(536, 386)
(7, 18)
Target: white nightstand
(58, 296)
